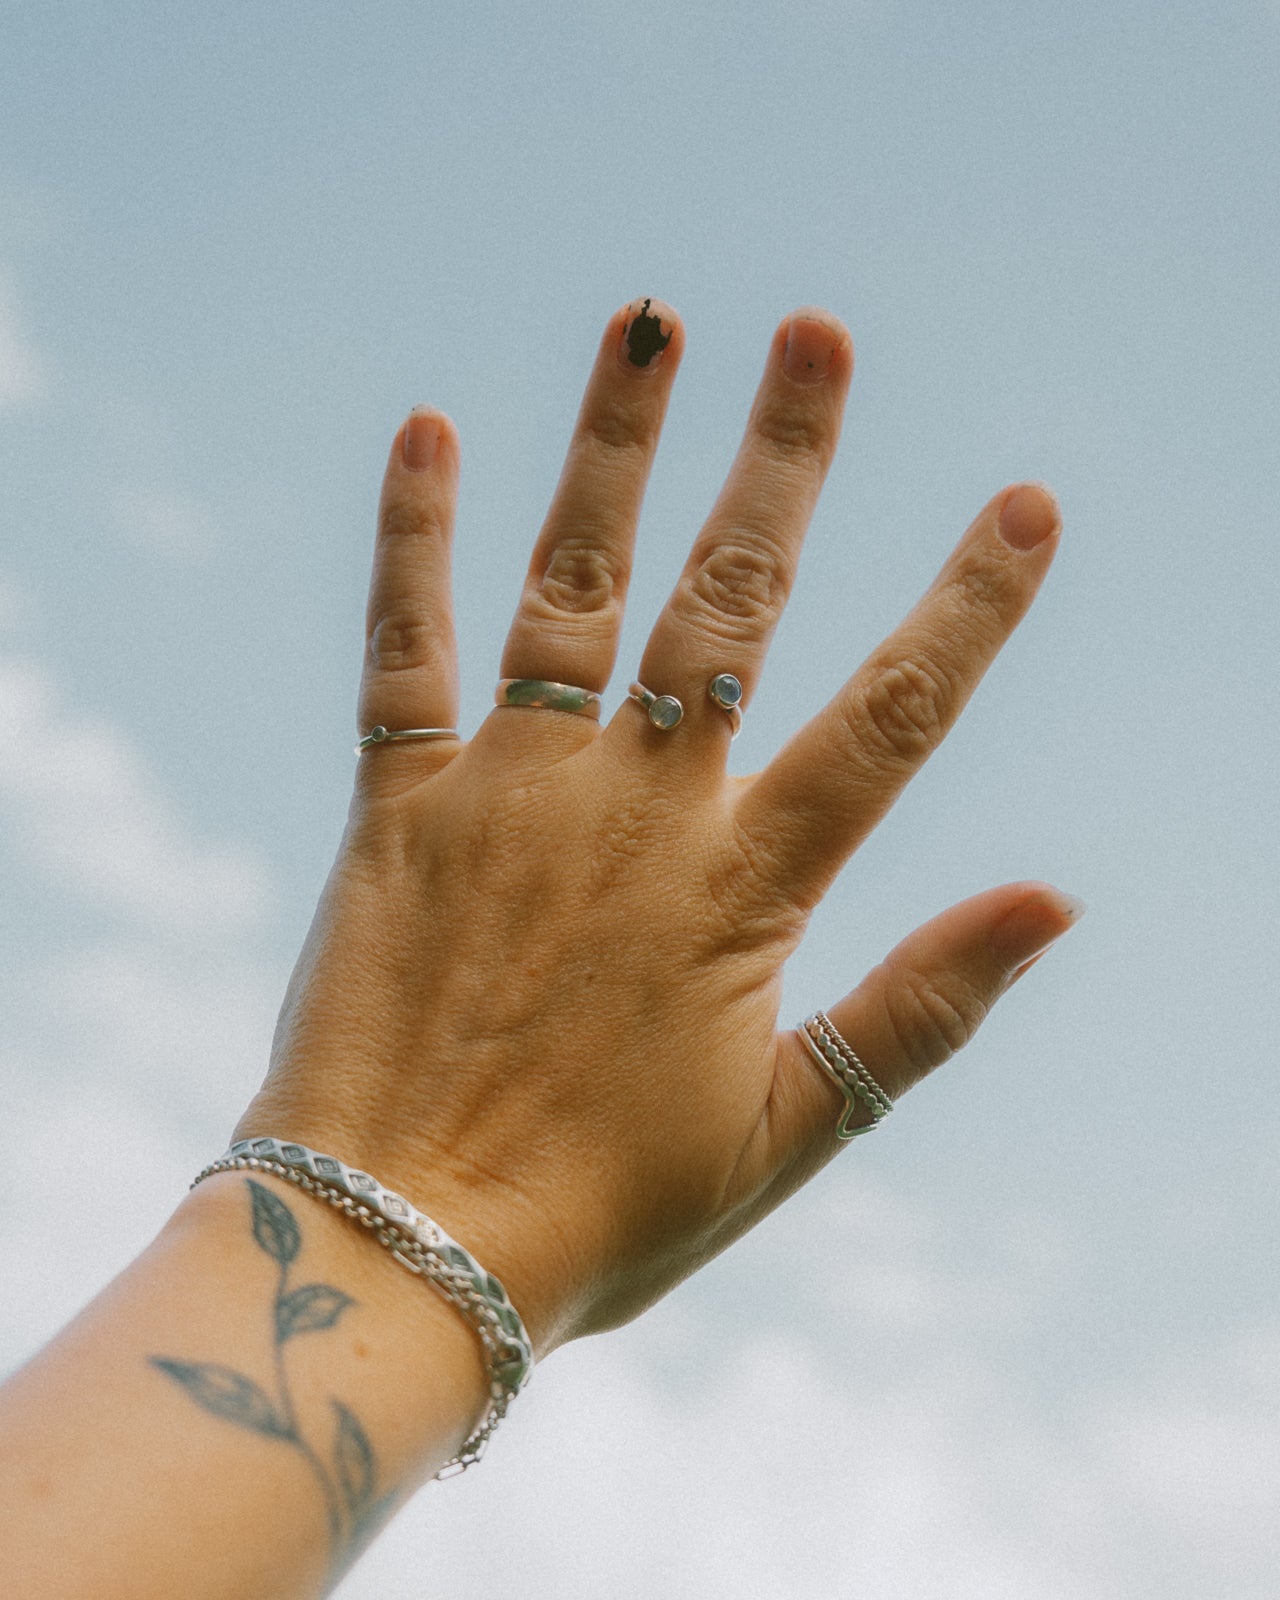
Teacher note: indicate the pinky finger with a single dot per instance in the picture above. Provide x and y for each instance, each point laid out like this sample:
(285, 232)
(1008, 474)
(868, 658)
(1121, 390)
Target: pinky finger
(410, 664)
(922, 1004)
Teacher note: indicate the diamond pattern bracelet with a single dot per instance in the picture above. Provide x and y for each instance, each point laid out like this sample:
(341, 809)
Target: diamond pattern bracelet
(420, 1245)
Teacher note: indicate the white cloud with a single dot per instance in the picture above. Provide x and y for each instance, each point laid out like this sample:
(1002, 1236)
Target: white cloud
(91, 816)
(188, 1033)
(22, 372)
(128, 1051)
(109, 1168)
(870, 1443)
(783, 1478)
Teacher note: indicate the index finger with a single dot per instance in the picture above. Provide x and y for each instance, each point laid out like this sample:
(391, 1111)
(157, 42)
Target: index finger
(828, 787)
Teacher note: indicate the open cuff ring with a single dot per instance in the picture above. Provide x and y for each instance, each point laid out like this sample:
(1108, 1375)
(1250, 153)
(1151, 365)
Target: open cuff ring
(836, 1056)
(665, 711)
(541, 695)
(725, 691)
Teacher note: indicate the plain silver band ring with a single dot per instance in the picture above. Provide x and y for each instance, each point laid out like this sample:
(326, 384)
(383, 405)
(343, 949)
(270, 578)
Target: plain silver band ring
(539, 694)
(381, 735)
(664, 710)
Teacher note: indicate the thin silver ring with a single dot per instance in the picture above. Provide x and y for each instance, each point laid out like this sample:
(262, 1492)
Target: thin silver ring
(539, 694)
(725, 691)
(837, 1058)
(381, 735)
(665, 711)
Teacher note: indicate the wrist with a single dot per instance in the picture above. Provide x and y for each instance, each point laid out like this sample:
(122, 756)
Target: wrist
(376, 1335)
(505, 1230)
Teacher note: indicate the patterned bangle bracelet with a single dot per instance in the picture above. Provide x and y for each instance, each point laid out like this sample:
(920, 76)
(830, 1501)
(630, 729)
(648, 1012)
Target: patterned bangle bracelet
(418, 1244)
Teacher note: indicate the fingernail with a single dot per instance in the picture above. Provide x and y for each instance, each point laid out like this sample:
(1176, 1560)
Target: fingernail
(421, 436)
(1032, 926)
(1029, 515)
(643, 342)
(810, 347)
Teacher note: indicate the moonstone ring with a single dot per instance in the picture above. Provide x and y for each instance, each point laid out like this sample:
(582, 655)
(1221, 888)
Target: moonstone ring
(725, 691)
(664, 709)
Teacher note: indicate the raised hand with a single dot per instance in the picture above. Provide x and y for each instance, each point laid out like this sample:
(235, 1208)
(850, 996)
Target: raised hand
(540, 995)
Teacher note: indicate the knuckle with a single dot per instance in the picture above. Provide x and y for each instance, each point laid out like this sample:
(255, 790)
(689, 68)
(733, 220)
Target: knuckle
(617, 429)
(626, 839)
(987, 591)
(933, 1015)
(907, 710)
(408, 519)
(749, 911)
(739, 582)
(582, 575)
(399, 642)
(795, 433)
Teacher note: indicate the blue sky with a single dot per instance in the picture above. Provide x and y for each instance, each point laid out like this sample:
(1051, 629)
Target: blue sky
(236, 245)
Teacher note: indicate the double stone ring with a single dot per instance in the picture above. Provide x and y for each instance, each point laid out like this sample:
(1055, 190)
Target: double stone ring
(665, 711)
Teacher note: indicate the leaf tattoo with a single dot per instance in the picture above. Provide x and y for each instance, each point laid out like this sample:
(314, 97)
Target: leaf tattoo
(273, 1224)
(354, 1457)
(314, 1306)
(227, 1394)
(354, 1510)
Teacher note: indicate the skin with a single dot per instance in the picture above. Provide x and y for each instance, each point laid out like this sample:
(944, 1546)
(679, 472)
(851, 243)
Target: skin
(572, 936)
(539, 998)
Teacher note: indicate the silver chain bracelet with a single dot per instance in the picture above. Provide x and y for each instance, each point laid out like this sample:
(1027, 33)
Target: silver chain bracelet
(420, 1245)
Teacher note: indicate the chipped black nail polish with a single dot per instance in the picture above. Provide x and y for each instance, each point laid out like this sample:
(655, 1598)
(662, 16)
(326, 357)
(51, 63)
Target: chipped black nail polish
(644, 341)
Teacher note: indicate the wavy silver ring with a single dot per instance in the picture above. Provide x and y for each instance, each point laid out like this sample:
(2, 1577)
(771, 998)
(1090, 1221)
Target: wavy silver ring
(837, 1058)
(381, 735)
(541, 695)
(725, 691)
(665, 711)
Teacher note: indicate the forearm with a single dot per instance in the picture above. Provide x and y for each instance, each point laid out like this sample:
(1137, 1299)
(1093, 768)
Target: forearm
(204, 1429)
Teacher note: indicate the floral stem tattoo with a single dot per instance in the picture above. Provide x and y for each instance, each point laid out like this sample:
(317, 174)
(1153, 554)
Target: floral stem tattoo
(353, 1508)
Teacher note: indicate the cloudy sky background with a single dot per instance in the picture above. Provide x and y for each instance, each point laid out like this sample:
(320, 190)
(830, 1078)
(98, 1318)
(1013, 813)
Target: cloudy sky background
(1026, 1341)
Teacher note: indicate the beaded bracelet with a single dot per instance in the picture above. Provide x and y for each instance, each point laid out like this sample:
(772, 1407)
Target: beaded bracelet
(418, 1244)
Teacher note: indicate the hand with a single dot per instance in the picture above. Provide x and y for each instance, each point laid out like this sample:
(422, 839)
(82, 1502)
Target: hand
(540, 994)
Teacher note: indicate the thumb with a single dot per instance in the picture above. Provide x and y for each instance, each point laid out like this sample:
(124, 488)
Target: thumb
(924, 1002)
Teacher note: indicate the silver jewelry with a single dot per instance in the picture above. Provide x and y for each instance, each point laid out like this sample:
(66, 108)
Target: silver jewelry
(664, 709)
(545, 696)
(838, 1059)
(418, 1244)
(381, 735)
(726, 691)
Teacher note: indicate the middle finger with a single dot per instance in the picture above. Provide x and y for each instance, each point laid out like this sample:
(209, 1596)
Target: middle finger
(739, 574)
(567, 623)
